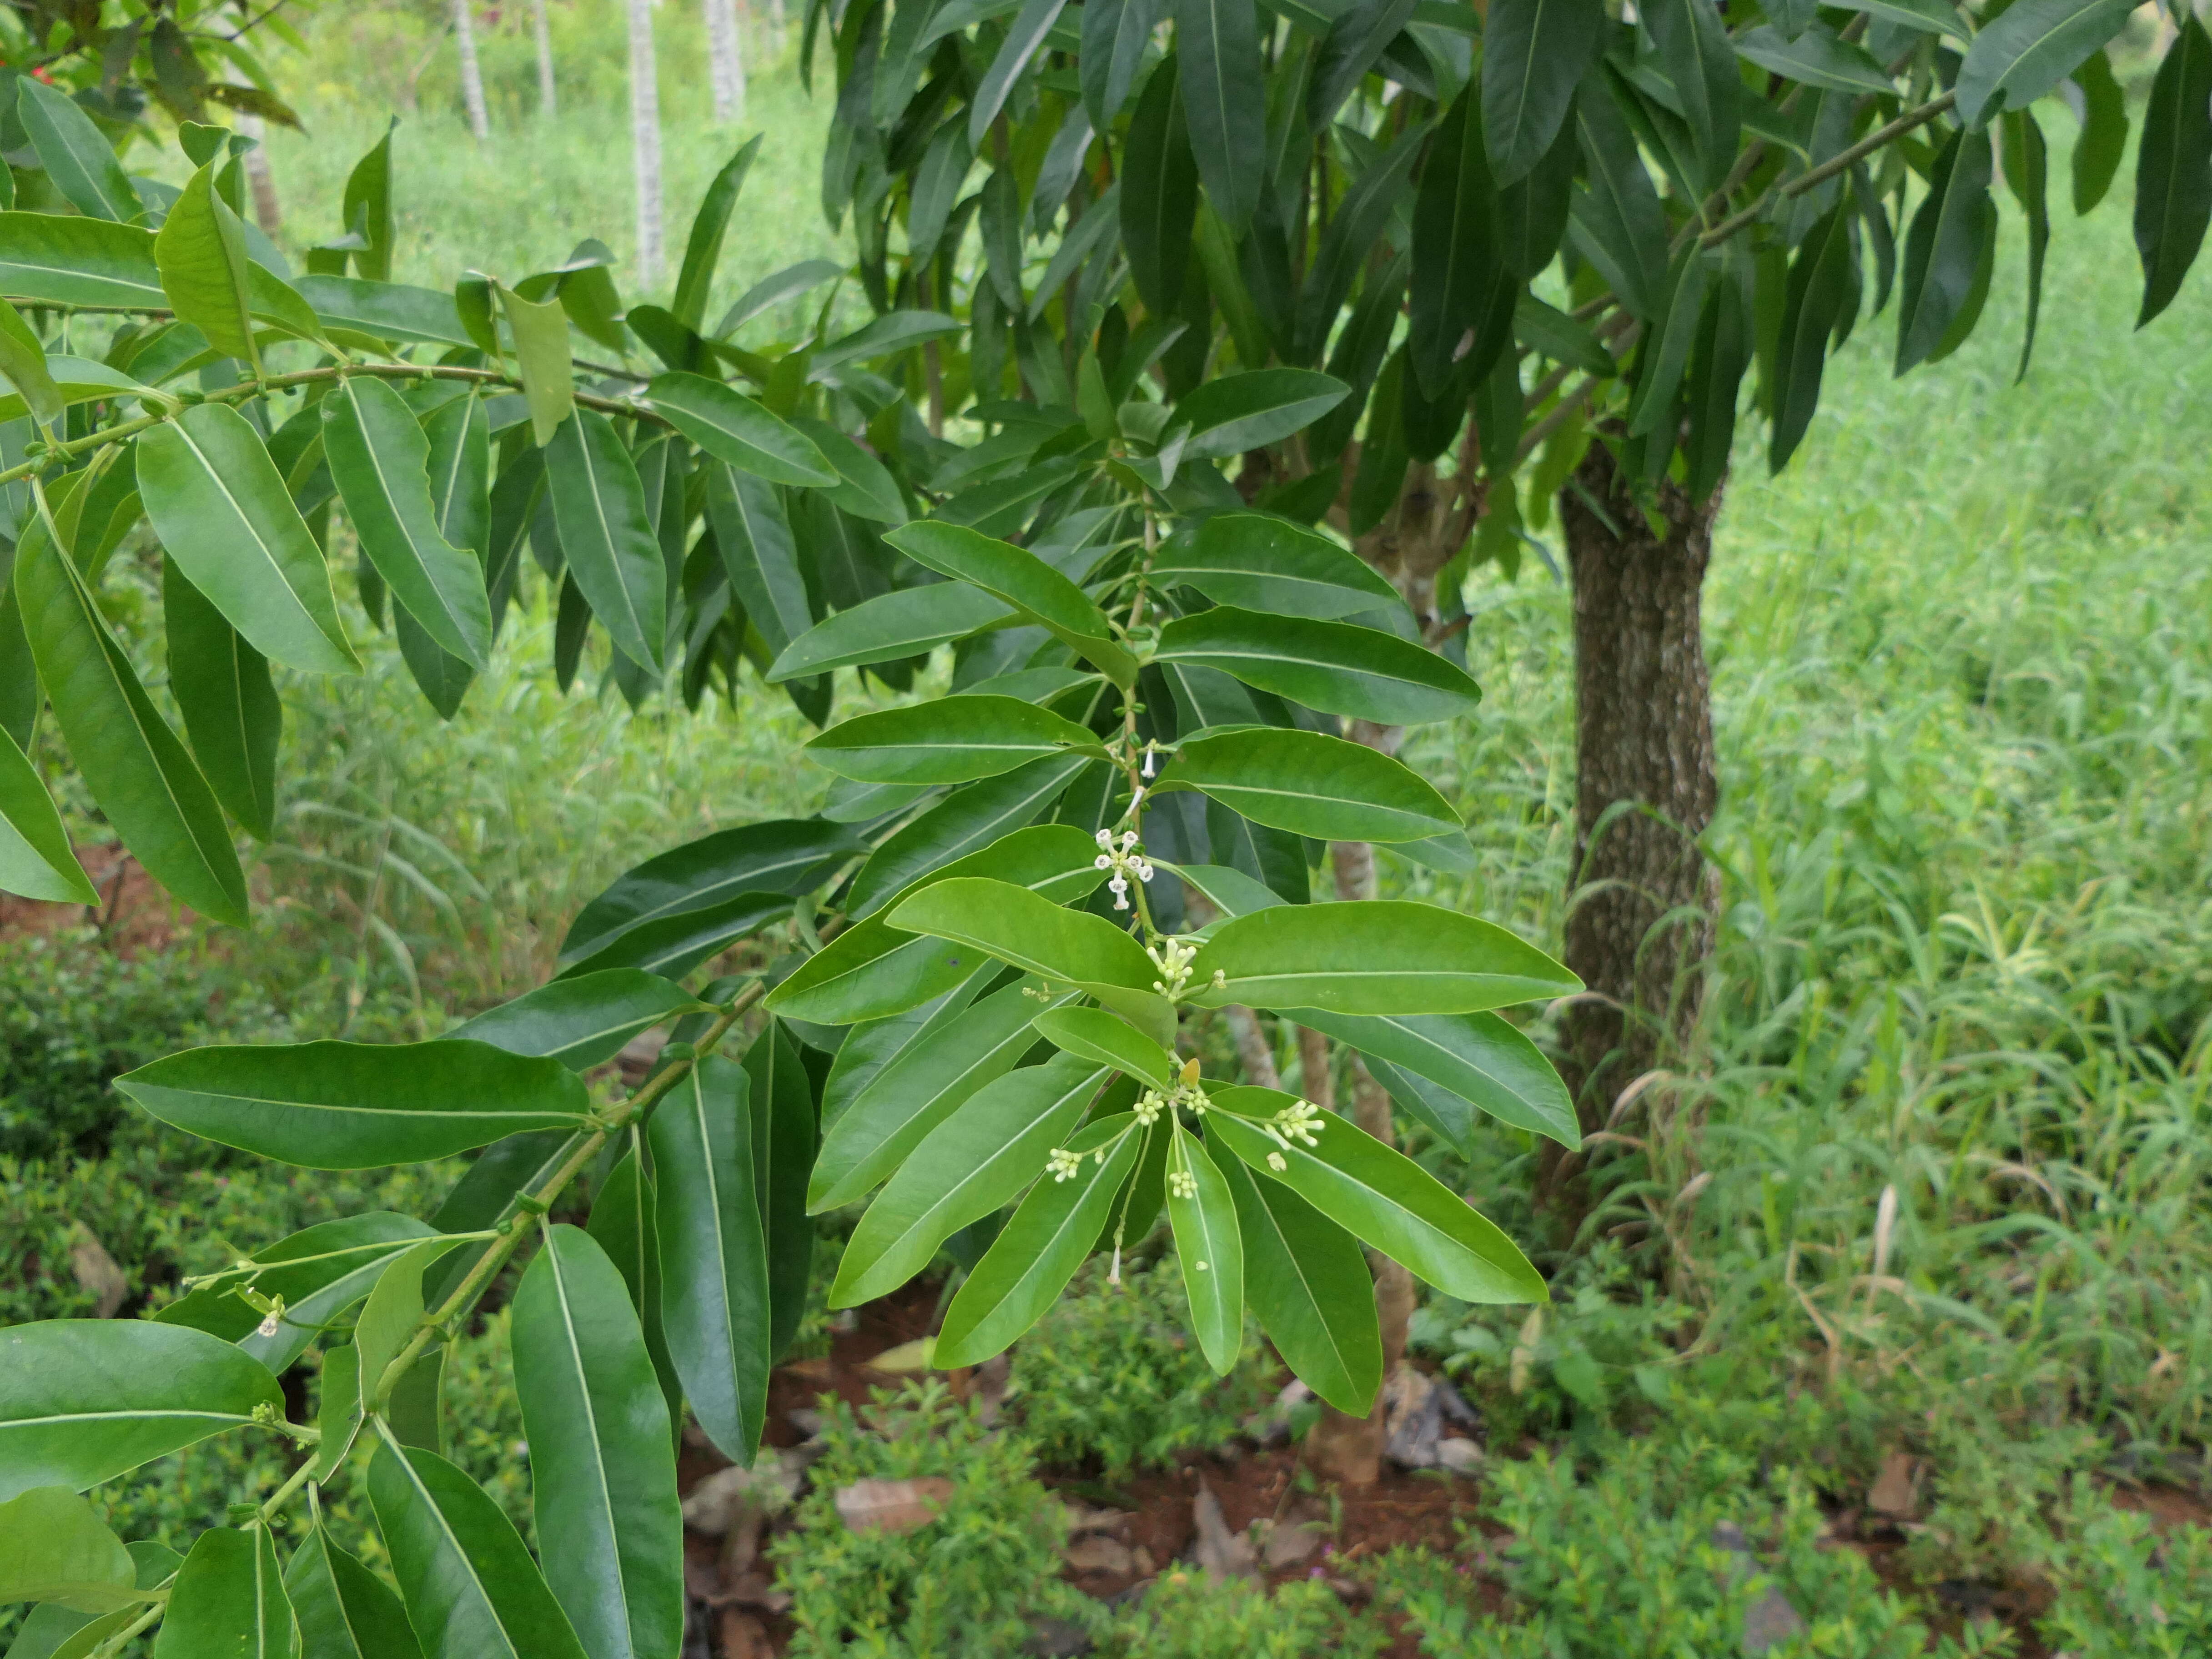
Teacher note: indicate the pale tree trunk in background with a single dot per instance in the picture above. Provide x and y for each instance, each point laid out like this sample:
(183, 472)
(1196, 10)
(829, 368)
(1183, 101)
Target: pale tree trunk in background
(726, 63)
(1645, 788)
(266, 212)
(465, 30)
(547, 102)
(775, 21)
(645, 140)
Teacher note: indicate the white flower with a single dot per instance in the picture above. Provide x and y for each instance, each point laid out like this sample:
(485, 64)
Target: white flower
(1182, 1183)
(1149, 1107)
(270, 1326)
(1063, 1164)
(1276, 1163)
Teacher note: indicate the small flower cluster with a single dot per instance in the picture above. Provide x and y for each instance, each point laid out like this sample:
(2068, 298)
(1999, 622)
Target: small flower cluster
(1063, 1164)
(1124, 861)
(1182, 1184)
(1151, 1103)
(1300, 1120)
(1173, 959)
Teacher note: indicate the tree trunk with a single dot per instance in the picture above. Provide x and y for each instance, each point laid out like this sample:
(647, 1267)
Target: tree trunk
(725, 66)
(465, 30)
(645, 140)
(541, 25)
(267, 213)
(1641, 924)
(775, 21)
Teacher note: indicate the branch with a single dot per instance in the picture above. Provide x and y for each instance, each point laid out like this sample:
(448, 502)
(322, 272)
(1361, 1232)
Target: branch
(1534, 439)
(1916, 116)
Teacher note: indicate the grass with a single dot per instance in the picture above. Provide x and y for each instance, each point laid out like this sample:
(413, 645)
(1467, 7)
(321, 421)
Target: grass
(1931, 1180)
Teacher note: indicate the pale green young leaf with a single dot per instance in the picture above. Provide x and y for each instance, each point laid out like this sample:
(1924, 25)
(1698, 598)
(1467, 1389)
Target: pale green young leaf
(1094, 1035)
(54, 1547)
(543, 358)
(35, 860)
(200, 251)
(23, 360)
(1311, 784)
(1062, 946)
(75, 154)
(1209, 1249)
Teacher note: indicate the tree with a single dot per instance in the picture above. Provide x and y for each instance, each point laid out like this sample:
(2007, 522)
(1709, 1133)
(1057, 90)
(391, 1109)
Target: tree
(549, 102)
(725, 61)
(472, 92)
(984, 962)
(1541, 246)
(645, 139)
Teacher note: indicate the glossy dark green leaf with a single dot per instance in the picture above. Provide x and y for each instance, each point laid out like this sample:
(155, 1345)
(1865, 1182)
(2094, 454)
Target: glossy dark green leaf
(904, 623)
(780, 1096)
(1234, 413)
(965, 822)
(223, 688)
(1382, 1197)
(1820, 283)
(1219, 63)
(1390, 956)
(1617, 222)
(772, 290)
(222, 513)
(319, 1272)
(602, 1455)
(1020, 43)
(379, 457)
(78, 158)
(1944, 247)
(789, 856)
(1478, 1057)
(624, 1224)
(82, 1400)
(2027, 164)
(703, 249)
(1367, 208)
(1456, 261)
(354, 1105)
(1022, 1273)
(470, 1588)
(871, 971)
(55, 1548)
(1534, 54)
(731, 427)
(1355, 43)
(1694, 46)
(1159, 192)
(1094, 1035)
(1266, 563)
(673, 946)
(1023, 581)
(1114, 35)
(344, 1610)
(951, 740)
(613, 553)
(69, 261)
(713, 1258)
(2104, 140)
(135, 767)
(866, 489)
(229, 1600)
(753, 534)
(35, 860)
(581, 1021)
(1307, 1280)
(2173, 169)
(200, 252)
(1816, 58)
(1338, 667)
(1023, 927)
(1312, 784)
(945, 1063)
(1209, 1248)
(2028, 49)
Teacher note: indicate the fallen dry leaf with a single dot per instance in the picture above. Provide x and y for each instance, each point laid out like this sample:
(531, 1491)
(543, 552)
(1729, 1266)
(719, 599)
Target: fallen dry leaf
(891, 1505)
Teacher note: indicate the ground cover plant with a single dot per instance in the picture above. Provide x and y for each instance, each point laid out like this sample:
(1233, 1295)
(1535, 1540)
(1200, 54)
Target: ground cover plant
(1783, 1045)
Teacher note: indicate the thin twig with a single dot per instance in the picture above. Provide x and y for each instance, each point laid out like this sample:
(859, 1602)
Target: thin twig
(1828, 169)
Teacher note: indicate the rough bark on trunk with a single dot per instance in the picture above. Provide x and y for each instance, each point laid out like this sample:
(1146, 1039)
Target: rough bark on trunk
(542, 27)
(645, 140)
(472, 92)
(1642, 923)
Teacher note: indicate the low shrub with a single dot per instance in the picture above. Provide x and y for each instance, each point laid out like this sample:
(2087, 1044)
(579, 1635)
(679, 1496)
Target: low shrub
(1190, 1615)
(2125, 1592)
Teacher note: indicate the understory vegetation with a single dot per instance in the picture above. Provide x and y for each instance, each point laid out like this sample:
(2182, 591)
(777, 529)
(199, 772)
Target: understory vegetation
(1927, 1193)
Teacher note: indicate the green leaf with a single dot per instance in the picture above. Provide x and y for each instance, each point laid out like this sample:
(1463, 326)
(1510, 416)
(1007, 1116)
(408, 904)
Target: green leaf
(23, 360)
(1390, 956)
(1114, 35)
(2173, 169)
(1094, 1035)
(390, 1317)
(894, 332)
(731, 427)
(780, 1096)
(867, 490)
(1159, 190)
(354, 1105)
(788, 856)
(1210, 1248)
(229, 1600)
(1023, 581)
(623, 1207)
(1307, 1280)
(1352, 48)
(950, 741)
(1382, 1197)
(223, 688)
(602, 1452)
(773, 290)
(675, 945)
(972, 1164)
(1618, 223)
(1821, 282)
(703, 249)
(338, 1411)
(613, 553)
(753, 535)
(82, 1400)
(952, 1056)
(472, 1590)
(1694, 46)
(1943, 249)
(1022, 38)
(222, 513)
(379, 458)
(389, 311)
(1233, 413)
(490, 1192)
(903, 623)
(1456, 262)
(871, 971)
(1477, 1058)
(78, 158)
(964, 822)
(1225, 103)
(1818, 57)
(1338, 667)
(1266, 563)
(713, 1258)
(366, 208)
(344, 1610)
(82, 262)
(136, 770)
(54, 1547)
(2027, 166)
(543, 359)
(581, 1022)
(35, 860)
(74, 380)
(1024, 1271)
(1534, 52)
(320, 1272)
(1311, 784)
(2104, 140)
(1230, 891)
(1062, 946)
(200, 252)
(2029, 49)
